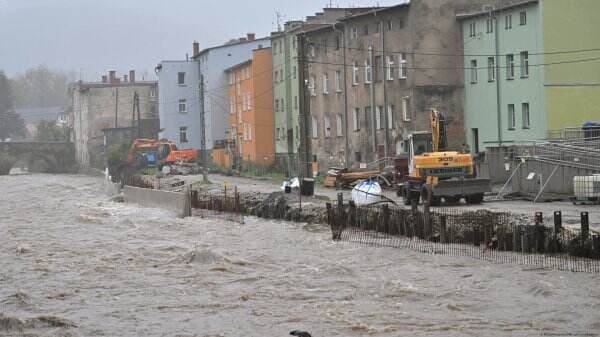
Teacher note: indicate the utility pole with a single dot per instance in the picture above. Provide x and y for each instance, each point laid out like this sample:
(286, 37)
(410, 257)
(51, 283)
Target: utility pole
(203, 129)
(498, 90)
(116, 107)
(386, 120)
(304, 152)
(139, 119)
(373, 128)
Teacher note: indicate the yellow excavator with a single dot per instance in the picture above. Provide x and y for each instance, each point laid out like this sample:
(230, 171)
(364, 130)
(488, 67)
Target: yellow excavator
(435, 174)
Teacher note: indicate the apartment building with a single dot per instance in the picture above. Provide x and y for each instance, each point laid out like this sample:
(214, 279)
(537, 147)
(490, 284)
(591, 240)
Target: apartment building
(398, 63)
(251, 125)
(517, 88)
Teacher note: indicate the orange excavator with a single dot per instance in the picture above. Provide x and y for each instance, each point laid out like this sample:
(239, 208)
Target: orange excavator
(159, 153)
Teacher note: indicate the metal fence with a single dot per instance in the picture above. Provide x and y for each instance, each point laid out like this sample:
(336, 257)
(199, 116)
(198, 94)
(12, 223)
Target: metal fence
(223, 204)
(496, 237)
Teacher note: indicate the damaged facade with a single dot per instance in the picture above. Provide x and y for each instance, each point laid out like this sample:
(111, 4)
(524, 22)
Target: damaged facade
(374, 77)
(109, 106)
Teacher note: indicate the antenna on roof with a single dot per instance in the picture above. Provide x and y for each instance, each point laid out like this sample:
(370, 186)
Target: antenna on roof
(278, 21)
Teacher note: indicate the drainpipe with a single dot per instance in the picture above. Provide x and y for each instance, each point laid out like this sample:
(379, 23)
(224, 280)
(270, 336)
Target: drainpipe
(373, 126)
(345, 93)
(385, 101)
(498, 91)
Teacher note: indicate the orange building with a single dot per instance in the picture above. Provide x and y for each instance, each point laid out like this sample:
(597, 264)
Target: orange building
(250, 134)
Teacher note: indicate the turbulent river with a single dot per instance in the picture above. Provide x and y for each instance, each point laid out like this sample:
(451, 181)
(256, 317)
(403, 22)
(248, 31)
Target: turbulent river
(73, 263)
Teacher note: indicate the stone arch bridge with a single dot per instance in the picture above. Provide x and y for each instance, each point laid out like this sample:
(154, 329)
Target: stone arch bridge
(48, 157)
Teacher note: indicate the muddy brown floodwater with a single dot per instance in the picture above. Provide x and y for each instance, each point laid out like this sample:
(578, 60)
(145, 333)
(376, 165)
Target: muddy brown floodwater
(73, 263)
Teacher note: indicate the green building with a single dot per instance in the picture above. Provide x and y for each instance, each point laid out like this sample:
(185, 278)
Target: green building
(286, 93)
(526, 74)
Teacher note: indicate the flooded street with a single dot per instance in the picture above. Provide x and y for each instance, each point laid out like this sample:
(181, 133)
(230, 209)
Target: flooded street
(75, 264)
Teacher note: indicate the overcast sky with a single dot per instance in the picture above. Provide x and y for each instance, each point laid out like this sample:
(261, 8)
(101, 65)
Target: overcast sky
(94, 36)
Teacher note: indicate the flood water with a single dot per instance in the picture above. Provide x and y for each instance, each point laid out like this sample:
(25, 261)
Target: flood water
(72, 263)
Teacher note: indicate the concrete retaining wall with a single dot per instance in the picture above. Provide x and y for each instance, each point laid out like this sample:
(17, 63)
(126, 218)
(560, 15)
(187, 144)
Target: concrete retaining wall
(178, 202)
(111, 189)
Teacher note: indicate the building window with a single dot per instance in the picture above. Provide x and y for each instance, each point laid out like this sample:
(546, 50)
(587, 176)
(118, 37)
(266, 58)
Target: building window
(510, 66)
(277, 134)
(524, 64)
(355, 122)
(295, 102)
(512, 121)
(368, 118)
(368, 72)
(249, 100)
(295, 72)
(526, 119)
(378, 27)
(183, 135)
(406, 109)
(377, 73)
(354, 74)
(357, 157)
(281, 73)
(354, 33)
(472, 29)
(338, 125)
(338, 81)
(508, 22)
(490, 25)
(473, 71)
(276, 105)
(389, 69)
(400, 24)
(491, 69)
(366, 30)
(280, 47)
(390, 25)
(315, 130)
(327, 127)
(153, 92)
(182, 106)
(337, 42)
(390, 116)
(325, 84)
(231, 78)
(403, 69)
(378, 112)
(181, 78)
(232, 107)
(274, 48)
(312, 86)
(294, 43)
(313, 50)
(523, 18)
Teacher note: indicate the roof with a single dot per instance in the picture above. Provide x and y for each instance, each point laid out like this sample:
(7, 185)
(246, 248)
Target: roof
(462, 16)
(30, 115)
(89, 85)
(377, 10)
(203, 51)
(234, 67)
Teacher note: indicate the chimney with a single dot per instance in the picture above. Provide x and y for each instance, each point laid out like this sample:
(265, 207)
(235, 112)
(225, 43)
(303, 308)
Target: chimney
(104, 79)
(196, 48)
(124, 78)
(111, 76)
(251, 36)
(132, 76)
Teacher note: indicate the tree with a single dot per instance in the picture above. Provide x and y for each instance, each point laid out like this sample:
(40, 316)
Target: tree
(11, 124)
(41, 88)
(48, 131)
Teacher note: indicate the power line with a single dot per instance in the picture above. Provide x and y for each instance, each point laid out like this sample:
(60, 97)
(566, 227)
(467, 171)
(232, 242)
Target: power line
(559, 52)
(461, 68)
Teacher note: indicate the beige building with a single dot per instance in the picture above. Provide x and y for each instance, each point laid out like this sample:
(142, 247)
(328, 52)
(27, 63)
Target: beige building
(108, 105)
